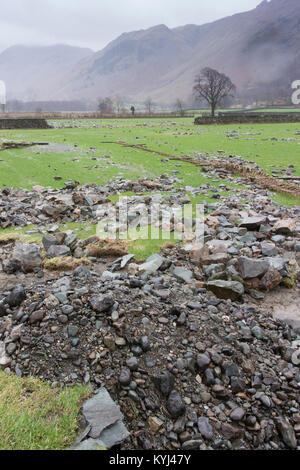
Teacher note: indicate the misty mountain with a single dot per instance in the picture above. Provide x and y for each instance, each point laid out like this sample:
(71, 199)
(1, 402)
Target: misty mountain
(32, 73)
(261, 46)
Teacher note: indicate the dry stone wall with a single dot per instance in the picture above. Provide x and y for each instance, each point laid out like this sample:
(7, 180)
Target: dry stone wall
(240, 118)
(23, 124)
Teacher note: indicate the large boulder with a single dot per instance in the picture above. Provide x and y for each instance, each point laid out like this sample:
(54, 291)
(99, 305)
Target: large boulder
(152, 264)
(183, 275)
(49, 240)
(253, 223)
(226, 289)
(57, 251)
(28, 256)
(16, 296)
(105, 421)
(250, 268)
(285, 226)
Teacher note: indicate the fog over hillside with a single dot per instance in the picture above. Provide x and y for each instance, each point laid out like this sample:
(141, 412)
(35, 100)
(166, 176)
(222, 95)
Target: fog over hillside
(255, 48)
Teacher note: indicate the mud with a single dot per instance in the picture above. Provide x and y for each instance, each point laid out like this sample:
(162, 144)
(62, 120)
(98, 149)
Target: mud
(284, 305)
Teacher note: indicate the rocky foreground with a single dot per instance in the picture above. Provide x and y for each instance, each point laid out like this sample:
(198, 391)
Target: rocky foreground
(182, 341)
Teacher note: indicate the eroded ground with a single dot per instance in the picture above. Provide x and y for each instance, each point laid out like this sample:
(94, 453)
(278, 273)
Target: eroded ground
(190, 344)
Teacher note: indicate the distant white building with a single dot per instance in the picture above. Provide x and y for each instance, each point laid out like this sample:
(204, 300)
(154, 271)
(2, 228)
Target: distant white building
(2, 96)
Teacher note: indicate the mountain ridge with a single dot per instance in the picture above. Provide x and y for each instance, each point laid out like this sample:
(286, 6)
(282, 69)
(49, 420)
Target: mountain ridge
(260, 46)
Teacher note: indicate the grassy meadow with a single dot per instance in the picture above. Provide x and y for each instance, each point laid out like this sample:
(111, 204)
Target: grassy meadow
(89, 153)
(32, 415)
(31, 166)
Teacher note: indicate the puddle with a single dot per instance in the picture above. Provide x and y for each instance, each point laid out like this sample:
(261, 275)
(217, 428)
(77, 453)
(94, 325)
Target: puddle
(60, 148)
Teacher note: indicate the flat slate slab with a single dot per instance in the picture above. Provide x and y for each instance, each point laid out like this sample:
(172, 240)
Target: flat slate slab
(226, 289)
(183, 275)
(101, 412)
(152, 264)
(251, 267)
(105, 421)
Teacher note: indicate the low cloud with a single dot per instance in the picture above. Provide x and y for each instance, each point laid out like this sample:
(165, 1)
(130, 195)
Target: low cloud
(93, 23)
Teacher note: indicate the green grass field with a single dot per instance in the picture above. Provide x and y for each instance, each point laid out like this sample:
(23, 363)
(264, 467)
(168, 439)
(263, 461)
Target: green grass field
(90, 154)
(28, 167)
(32, 415)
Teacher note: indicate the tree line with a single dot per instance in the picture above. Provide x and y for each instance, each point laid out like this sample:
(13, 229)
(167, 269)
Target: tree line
(210, 86)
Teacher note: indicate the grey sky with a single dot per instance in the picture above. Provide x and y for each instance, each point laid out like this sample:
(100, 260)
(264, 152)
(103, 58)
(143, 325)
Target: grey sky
(93, 23)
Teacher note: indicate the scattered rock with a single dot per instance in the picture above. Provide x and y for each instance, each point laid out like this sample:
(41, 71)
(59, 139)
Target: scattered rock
(252, 268)
(175, 405)
(226, 289)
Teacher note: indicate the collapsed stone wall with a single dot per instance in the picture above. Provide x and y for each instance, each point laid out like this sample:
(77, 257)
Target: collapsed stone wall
(240, 118)
(97, 115)
(36, 123)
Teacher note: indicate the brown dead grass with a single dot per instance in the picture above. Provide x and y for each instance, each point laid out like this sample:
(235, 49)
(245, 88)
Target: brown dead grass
(62, 264)
(107, 247)
(17, 145)
(259, 176)
(168, 245)
(8, 238)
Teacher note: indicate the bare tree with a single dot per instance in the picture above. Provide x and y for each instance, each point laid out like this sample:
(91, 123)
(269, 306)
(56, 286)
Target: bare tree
(119, 103)
(105, 105)
(179, 106)
(213, 87)
(149, 105)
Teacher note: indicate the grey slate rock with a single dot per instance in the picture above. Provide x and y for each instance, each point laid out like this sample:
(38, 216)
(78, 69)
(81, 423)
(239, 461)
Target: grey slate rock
(125, 260)
(105, 419)
(48, 241)
(226, 289)
(152, 264)
(253, 223)
(183, 275)
(287, 432)
(114, 435)
(27, 256)
(16, 296)
(251, 268)
(175, 405)
(101, 304)
(89, 444)
(205, 428)
(164, 382)
(57, 251)
(277, 263)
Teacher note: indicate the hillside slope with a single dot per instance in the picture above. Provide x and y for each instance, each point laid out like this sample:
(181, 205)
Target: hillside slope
(33, 73)
(257, 47)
